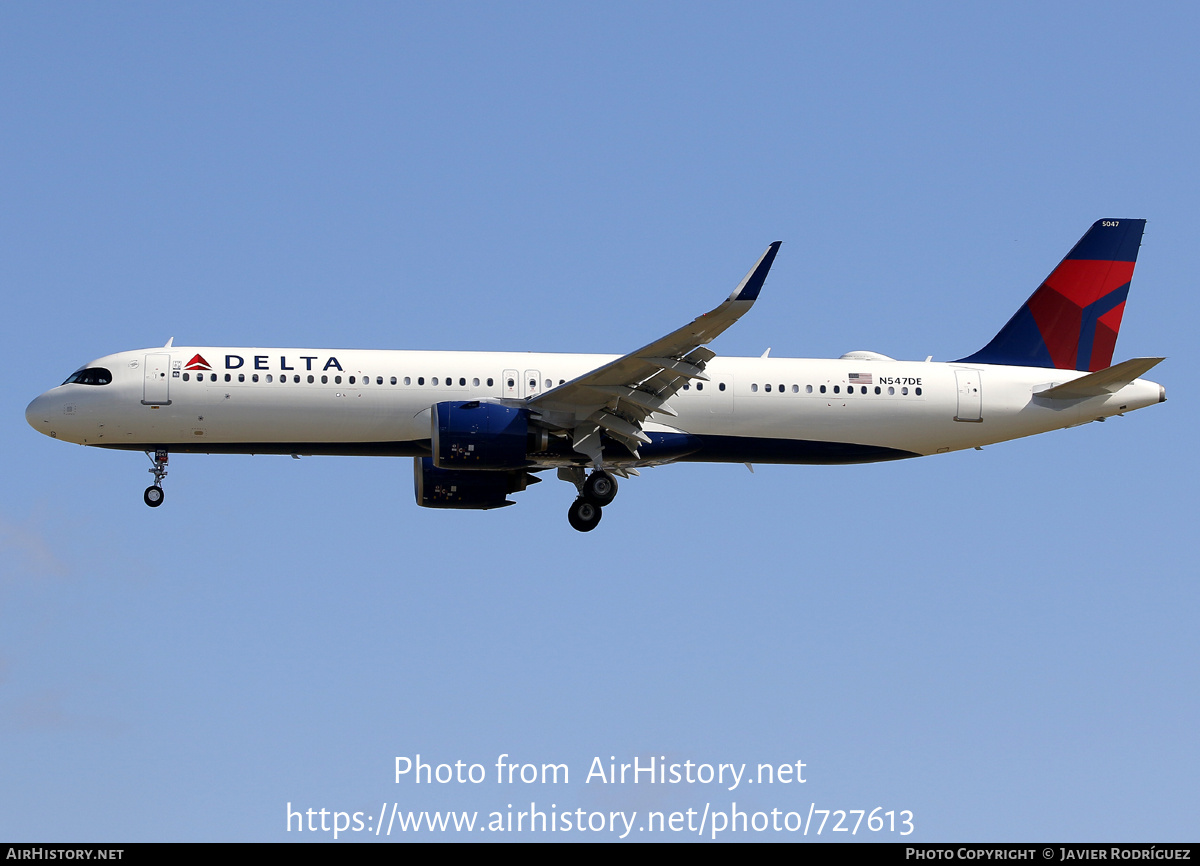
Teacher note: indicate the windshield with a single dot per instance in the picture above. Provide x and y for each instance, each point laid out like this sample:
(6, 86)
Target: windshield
(89, 376)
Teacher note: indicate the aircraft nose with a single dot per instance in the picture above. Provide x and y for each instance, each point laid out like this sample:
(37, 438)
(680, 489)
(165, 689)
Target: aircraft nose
(37, 413)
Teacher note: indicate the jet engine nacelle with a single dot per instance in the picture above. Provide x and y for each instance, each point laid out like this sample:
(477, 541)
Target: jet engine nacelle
(455, 488)
(474, 435)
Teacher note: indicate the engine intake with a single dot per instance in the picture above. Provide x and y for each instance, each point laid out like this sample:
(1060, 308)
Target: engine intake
(469, 488)
(474, 435)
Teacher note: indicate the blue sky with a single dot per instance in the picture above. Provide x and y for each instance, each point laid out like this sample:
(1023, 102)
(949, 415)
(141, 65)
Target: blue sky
(1002, 642)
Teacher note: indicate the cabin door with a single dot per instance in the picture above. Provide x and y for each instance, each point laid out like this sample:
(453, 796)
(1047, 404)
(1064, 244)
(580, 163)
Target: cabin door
(970, 396)
(157, 383)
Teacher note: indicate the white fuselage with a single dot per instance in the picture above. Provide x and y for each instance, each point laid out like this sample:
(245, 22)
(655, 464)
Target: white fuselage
(349, 401)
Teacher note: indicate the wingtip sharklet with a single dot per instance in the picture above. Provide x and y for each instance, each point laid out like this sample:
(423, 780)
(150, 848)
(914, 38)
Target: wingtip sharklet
(752, 283)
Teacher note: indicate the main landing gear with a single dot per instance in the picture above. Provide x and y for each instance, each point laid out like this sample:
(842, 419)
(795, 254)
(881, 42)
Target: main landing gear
(154, 493)
(600, 488)
(595, 491)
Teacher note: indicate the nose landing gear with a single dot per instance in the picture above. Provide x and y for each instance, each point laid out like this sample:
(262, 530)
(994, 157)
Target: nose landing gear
(154, 493)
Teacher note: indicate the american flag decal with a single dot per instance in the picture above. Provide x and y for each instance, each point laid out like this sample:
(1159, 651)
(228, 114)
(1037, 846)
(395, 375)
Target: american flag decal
(861, 379)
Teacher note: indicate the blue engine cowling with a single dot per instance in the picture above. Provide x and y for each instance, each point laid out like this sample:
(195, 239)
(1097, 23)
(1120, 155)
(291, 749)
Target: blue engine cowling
(455, 488)
(474, 435)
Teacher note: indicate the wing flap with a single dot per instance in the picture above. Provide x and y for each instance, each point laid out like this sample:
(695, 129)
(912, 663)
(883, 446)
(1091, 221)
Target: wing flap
(618, 426)
(644, 401)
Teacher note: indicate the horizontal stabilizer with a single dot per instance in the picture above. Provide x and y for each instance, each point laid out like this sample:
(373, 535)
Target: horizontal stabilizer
(1102, 382)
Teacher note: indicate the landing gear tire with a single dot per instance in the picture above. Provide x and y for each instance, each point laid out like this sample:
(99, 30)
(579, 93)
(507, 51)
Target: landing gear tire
(600, 488)
(154, 493)
(584, 515)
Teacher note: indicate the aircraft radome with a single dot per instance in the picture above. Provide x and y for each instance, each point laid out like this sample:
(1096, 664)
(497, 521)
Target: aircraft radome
(480, 425)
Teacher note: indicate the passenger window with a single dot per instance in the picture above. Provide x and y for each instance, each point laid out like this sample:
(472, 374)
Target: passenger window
(408, 380)
(904, 391)
(822, 389)
(767, 388)
(721, 387)
(699, 386)
(393, 380)
(836, 389)
(753, 389)
(489, 383)
(324, 380)
(311, 378)
(917, 392)
(270, 378)
(808, 389)
(254, 377)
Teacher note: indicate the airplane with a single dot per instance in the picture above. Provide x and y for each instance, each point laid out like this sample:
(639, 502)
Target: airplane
(480, 425)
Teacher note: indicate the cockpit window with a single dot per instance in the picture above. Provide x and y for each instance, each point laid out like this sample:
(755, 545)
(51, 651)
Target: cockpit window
(89, 376)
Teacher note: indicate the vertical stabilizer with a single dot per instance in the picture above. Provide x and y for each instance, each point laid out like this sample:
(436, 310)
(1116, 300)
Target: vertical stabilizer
(1072, 320)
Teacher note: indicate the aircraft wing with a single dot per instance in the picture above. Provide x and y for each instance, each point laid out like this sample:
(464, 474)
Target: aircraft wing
(617, 398)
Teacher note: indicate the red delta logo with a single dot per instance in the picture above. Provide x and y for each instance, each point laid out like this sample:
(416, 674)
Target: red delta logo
(197, 363)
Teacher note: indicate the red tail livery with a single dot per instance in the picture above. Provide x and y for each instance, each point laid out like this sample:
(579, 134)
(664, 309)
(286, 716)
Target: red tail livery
(1071, 321)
